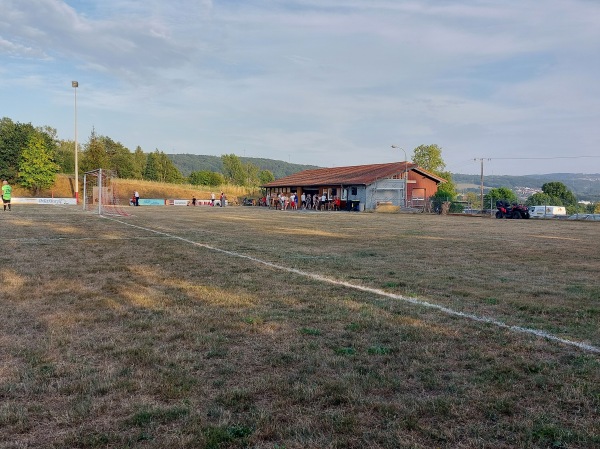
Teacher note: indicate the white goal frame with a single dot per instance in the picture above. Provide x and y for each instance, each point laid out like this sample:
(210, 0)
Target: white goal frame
(99, 195)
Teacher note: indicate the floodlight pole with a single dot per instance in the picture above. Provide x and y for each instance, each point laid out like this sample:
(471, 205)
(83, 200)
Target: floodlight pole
(75, 85)
(405, 176)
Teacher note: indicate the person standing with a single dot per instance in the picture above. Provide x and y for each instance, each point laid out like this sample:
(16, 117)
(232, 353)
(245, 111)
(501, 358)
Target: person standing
(212, 198)
(136, 195)
(6, 194)
(222, 199)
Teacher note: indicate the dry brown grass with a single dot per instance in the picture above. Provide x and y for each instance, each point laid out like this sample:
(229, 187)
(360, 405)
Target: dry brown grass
(124, 188)
(116, 336)
(387, 208)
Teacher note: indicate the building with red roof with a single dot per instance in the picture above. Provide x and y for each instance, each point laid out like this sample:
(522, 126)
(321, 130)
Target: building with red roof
(363, 187)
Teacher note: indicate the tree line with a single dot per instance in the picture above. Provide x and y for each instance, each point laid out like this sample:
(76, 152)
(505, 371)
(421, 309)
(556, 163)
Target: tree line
(32, 156)
(553, 193)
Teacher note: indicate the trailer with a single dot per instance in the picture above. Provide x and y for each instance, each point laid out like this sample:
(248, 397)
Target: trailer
(547, 211)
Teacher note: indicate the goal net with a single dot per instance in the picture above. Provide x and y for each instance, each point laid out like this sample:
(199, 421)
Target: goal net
(99, 193)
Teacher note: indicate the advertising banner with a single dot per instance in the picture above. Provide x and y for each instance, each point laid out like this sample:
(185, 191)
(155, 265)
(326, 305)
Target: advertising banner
(55, 201)
(152, 202)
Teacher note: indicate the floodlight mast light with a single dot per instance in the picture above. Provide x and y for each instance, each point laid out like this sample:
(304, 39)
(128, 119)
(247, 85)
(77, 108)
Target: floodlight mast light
(75, 85)
(405, 175)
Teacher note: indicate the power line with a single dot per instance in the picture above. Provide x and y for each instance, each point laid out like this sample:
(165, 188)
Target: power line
(536, 158)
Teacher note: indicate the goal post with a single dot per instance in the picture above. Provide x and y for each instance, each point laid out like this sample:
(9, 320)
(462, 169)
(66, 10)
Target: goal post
(99, 193)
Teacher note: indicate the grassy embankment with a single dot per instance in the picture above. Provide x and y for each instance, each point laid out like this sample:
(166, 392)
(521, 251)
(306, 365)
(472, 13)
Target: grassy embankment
(63, 188)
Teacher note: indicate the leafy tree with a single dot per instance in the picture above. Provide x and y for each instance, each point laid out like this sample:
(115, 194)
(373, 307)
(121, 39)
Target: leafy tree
(234, 169)
(543, 199)
(446, 189)
(160, 168)
(139, 163)
(14, 137)
(555, 194)
(37, 169)
(501, 193)
(446, 192)
(50, 136)
(217, 179)
(473, 199)
(120, 158)
(559, 190)
(151, 169)
(206, 178)
(94, 155)
(65, 156)
(265, 176)
(251, 174)
(429, 157)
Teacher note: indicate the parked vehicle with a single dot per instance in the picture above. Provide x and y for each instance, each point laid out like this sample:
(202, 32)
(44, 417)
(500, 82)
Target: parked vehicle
(514, 211)
(547, 211)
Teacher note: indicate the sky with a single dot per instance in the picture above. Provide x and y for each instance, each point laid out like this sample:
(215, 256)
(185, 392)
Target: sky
(323, 82)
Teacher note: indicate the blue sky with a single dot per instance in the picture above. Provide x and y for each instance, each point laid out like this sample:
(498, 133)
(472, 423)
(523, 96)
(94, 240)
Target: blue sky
(319, 82)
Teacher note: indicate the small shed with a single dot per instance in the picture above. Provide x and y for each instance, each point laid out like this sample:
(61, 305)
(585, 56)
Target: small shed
(363, 187)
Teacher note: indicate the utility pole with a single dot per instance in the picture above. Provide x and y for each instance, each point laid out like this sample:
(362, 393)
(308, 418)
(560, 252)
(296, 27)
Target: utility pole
(481, 182)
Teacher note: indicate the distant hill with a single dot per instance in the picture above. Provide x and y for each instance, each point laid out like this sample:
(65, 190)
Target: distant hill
(586, 187)
(188, 163)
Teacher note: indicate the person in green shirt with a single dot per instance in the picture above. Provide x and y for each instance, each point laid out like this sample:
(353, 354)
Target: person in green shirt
(6, 192)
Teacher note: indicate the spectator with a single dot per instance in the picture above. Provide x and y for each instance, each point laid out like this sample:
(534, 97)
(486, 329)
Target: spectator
(293, 201)
(136, 195)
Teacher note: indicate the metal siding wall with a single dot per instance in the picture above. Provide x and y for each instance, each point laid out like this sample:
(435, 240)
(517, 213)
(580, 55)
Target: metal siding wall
(387, 190)
(361, 194)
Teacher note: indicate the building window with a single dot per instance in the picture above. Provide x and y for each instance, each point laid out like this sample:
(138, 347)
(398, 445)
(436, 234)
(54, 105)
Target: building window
(354, 191)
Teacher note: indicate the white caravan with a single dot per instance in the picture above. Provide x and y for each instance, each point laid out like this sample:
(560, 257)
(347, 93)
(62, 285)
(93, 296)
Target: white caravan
(546, 211)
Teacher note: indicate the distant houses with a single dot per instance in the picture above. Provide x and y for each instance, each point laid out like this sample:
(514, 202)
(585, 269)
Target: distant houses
(363, 187)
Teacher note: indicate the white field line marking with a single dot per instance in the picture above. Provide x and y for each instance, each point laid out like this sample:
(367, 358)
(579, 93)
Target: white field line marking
(375, 291)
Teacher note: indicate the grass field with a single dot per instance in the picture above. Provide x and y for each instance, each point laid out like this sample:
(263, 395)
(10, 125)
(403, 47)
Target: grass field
(236, 327)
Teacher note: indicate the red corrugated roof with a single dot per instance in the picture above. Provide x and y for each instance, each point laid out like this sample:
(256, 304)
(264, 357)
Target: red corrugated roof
(353, 175)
